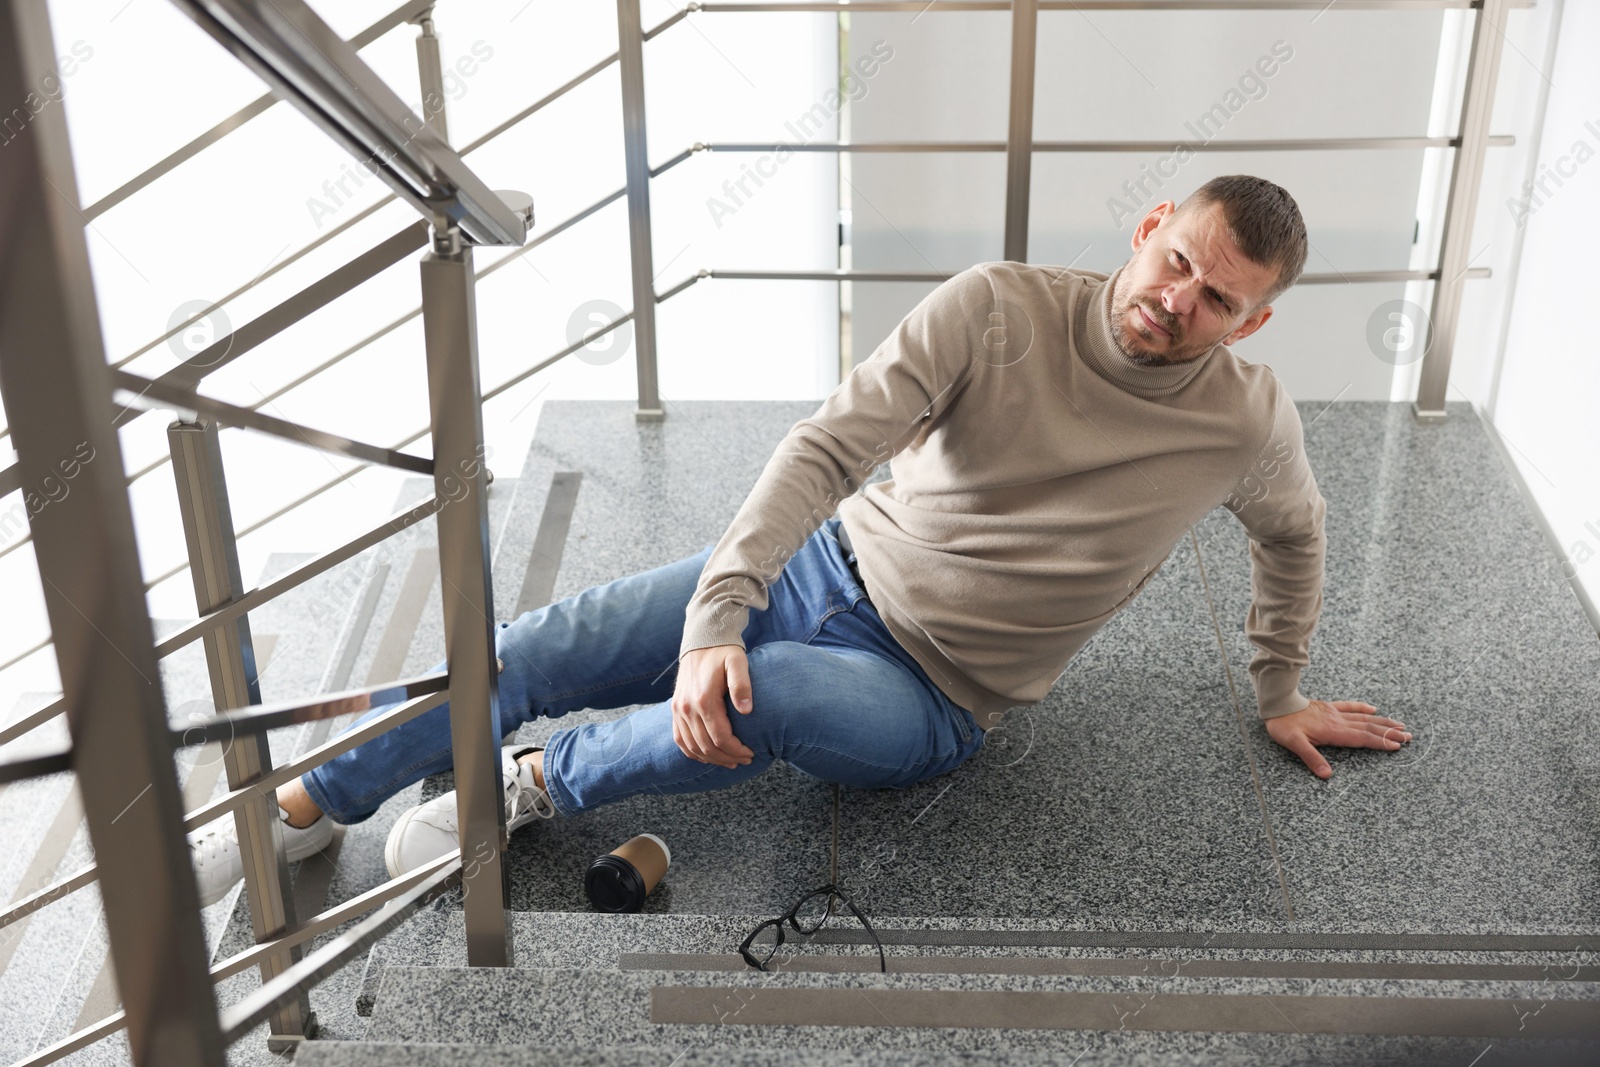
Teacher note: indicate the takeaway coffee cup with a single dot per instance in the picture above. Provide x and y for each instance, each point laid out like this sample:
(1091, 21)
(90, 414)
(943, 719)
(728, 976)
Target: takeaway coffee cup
(623, 877)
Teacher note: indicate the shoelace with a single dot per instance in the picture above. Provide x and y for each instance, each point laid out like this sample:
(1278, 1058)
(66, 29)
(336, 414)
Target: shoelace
(519, 799)
(207, 848)
(526, 796)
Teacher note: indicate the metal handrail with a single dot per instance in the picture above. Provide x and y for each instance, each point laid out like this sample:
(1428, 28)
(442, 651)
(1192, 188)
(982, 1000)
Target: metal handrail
(293, 50)
(87, 549)
(157, 394)
(259, 718)
(1297, 144)
(248, 602)
(36, 766)
(440, 877)
(320, 293)
(406, 12)
(250, 957)
(226, 803)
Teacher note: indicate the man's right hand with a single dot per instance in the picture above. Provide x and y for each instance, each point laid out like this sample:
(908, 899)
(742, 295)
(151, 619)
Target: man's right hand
(700, 724)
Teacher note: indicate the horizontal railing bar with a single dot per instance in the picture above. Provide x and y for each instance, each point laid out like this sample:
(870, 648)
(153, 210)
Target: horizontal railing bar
(319, 294)
(327, 920)
(681, 286)
(529, 372)
(1106, 5)
(1292, 144)
(1350, 276)
(396, 324)
(324, 752)
(43, 642)
(293, 258)
(391, 327)
(252, 600)
(36, 766)
(301, 574)
(224, 804)
(404, 13)
(239, 1019)
(243, 961)
(179, 568)
(50, 893)
(159, 394)
(117, 1020)
(259, 718)
(544, 101)
(32, 720)
(11, 477)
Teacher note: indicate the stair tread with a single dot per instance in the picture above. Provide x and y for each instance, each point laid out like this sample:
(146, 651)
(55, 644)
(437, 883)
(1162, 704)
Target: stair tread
(536, 1006)
(385, 1054)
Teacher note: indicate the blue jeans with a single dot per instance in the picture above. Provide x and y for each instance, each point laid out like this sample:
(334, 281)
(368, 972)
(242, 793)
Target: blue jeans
(834, 694)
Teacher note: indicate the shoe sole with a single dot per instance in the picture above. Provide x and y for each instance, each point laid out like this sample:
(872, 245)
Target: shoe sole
(391, 861)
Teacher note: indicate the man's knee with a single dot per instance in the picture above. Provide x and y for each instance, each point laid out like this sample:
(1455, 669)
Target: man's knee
(778, 684)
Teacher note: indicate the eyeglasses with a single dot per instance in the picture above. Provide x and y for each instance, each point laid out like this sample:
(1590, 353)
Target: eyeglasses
(806, 915)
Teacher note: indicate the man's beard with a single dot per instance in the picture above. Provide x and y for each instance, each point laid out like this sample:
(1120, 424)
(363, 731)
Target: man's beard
(1127, 343)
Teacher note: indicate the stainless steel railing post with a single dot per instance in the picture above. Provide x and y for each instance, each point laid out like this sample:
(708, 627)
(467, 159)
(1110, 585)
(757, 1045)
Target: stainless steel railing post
(1460, 211)
(450, 333)
(630, 59)
(57, 391)
(1019, 135)
(230, 657)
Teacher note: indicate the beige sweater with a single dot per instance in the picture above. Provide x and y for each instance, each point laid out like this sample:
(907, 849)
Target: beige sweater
(1040, 479)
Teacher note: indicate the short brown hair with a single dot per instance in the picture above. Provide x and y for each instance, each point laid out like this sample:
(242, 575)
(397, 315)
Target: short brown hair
(1263, 220)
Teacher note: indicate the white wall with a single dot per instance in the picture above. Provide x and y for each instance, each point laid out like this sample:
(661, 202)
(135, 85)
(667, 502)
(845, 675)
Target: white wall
(1545, 402)
(1147, 75)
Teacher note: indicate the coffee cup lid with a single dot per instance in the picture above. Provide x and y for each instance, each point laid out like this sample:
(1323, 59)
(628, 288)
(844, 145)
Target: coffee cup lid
(613, 884)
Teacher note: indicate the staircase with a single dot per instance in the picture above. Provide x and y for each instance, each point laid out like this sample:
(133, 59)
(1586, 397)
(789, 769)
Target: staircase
(1130, 872)
(670, 989)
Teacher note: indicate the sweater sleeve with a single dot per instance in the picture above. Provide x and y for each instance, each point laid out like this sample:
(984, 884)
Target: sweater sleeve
(880, 407)
(1278, 504)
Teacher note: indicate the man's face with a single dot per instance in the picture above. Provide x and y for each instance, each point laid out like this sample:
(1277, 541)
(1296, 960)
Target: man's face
(1185, 288)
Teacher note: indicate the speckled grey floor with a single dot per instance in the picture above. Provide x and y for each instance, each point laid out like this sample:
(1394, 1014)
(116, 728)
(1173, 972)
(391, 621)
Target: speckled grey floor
(1137, 796)
(1444, 606)
(1130, 794)
(1094, 1051)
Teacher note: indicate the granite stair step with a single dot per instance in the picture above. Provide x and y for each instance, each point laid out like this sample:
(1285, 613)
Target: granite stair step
(1234, 1020)
(383, 1054)
(689, 941)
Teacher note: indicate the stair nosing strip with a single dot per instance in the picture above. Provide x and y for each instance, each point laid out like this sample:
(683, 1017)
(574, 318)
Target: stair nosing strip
(1161, 1012)
(1117, 967)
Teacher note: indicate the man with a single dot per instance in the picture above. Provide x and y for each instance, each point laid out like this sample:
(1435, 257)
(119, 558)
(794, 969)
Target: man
(1055, 433)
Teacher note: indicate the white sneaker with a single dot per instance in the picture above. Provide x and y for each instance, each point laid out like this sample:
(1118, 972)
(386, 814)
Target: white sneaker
(218, 864)
(424, 833)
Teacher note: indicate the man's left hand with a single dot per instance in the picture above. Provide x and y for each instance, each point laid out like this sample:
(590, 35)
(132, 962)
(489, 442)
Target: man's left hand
(1347, 723)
